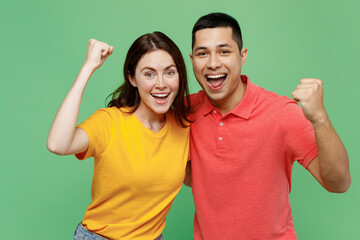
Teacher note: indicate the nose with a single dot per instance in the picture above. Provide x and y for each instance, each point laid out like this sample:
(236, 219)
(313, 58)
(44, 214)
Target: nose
(160, 84)
(213, 62)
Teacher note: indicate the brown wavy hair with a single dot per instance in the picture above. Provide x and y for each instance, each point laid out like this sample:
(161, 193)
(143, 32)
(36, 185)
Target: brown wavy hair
(128, 96)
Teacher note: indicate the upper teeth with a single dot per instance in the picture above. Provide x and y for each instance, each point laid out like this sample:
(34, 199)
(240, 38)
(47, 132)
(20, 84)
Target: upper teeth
(160, 95)
(216, 76)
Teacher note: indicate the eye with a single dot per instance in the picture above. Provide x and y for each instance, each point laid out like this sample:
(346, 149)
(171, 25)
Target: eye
(201, 54)
(149, 74)
(170, 73)
(224, 52)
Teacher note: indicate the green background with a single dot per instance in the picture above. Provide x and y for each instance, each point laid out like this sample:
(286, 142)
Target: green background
(43, 45)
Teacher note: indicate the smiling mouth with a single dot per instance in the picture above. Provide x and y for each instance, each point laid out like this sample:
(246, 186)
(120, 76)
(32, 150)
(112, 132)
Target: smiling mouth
(160, 98)
(215, 81)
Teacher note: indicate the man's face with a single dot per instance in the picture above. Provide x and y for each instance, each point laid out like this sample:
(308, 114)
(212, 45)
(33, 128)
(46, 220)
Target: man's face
(217, 65)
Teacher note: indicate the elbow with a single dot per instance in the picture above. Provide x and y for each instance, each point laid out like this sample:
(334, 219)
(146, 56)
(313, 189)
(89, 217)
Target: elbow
(187, 183)
(340, 188)
(188, 176)
(54, 148)
(338, 180)
(187, 180)
(344, 187)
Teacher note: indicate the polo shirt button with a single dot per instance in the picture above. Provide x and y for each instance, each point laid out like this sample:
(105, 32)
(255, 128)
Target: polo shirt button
(220, 138)
(221, 124)
(214, 111)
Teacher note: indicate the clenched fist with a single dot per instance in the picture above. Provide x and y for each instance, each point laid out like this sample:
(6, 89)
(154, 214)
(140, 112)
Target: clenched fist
(97, 53)
(309, 93)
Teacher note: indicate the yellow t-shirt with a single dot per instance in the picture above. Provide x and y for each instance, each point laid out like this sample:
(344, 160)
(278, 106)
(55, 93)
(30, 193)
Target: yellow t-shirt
(137, 173)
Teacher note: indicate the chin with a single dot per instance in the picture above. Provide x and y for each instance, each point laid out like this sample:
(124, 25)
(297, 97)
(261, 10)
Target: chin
(161, 110)
(215, 96)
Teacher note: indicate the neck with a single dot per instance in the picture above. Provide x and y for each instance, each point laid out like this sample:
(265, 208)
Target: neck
(153, 121)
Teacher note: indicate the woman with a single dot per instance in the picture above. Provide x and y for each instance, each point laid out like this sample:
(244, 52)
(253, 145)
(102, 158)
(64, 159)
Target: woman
(139, 142)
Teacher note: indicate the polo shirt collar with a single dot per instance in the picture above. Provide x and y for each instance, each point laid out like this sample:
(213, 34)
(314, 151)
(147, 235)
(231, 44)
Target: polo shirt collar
(246, 105)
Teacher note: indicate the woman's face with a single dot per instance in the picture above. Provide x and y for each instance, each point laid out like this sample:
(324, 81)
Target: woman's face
(157, 80)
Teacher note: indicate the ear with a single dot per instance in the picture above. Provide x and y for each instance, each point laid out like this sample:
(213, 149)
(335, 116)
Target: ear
(131, 79)
(191, 58)
(243, 55)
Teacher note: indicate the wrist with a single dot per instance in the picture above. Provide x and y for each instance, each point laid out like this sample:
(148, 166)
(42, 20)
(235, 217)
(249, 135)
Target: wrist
(87, 69)
(321, 120)
(84, 75)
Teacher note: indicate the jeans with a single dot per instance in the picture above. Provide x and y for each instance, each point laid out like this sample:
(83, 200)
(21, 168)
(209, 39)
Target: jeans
(82, 233)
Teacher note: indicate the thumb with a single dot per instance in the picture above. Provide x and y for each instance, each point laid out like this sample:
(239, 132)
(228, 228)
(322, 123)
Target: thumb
(295, 96)
(111, 48)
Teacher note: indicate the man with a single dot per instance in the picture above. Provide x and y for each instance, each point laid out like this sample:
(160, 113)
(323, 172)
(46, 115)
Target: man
(244, 141)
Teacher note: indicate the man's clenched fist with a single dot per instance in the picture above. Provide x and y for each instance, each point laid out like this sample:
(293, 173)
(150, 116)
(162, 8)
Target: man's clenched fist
(309, 93)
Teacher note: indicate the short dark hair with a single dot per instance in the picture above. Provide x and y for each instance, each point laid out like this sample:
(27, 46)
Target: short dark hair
(128, 96)
(215, 20)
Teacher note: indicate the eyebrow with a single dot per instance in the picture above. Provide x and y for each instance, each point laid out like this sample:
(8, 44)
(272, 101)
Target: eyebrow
(218, 46)
(224, 45)
(153, 69)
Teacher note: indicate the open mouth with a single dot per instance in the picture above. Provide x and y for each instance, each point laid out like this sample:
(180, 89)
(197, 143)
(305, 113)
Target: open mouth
(160, 98)
(216, 81)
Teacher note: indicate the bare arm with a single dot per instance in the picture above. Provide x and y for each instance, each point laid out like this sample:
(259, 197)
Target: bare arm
(331, 166)
(187, 180)
(64, 138)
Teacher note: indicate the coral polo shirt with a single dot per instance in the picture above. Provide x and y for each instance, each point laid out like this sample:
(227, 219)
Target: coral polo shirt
(242, 163)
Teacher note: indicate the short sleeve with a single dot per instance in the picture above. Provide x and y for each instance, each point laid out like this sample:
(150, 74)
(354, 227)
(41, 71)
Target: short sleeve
(299, 134)
(98, 127)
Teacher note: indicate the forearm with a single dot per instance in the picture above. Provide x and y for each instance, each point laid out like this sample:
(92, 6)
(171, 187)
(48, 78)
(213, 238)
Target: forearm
(333, 160)
(187, 180)
(63, 127)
